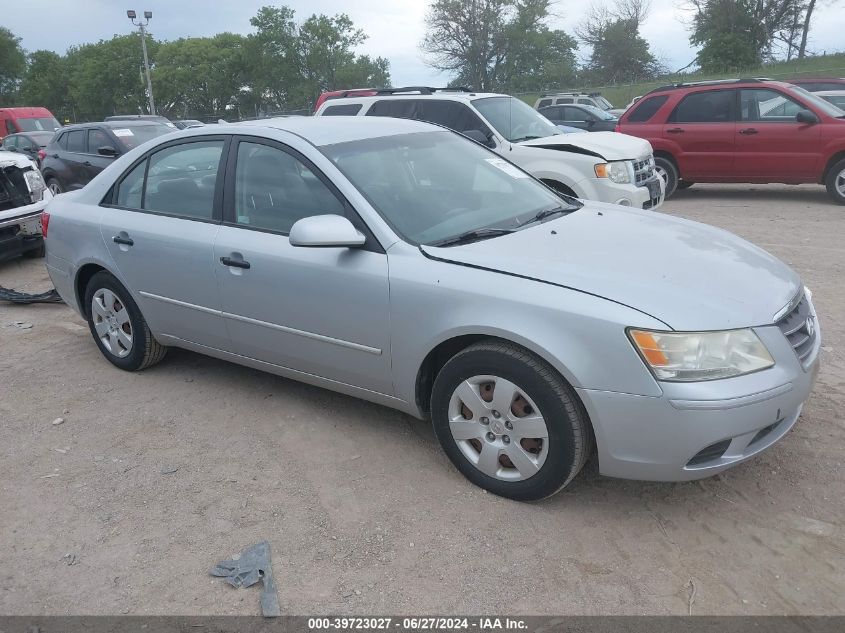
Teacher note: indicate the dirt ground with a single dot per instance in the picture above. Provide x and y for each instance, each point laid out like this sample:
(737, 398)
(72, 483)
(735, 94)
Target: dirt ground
(153, 477)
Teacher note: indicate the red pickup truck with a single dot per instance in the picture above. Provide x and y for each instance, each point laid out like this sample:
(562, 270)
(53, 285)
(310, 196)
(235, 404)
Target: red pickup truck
(746, 130)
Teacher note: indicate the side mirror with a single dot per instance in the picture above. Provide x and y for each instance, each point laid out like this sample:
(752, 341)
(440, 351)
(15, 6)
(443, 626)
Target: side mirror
(107, 150)
(479, 137)
(806, 116)
(325, 231)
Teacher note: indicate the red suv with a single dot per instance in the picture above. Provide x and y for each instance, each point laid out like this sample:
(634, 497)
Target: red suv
(746, 130)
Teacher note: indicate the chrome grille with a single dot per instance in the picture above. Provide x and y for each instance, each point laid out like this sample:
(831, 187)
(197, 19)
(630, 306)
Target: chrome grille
(799, 327)
(643, 170)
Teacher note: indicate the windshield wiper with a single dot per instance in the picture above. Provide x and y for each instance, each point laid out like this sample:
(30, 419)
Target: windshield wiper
(472, 236)
(524, 138)
(545, 213)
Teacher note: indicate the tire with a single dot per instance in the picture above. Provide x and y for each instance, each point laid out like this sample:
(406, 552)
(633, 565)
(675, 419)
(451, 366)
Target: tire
(142, 350)
(55, 186)
(666, 168)
(835, 182)
(684, 184)
(541, 394)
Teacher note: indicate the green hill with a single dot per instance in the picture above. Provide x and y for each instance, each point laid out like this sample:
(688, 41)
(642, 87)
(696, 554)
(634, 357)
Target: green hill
(620, 95)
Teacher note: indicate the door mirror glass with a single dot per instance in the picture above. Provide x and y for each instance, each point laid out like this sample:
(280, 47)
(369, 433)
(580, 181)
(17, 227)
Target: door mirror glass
(325, 231)
(106, 150)
(806, 116)
(479, 137)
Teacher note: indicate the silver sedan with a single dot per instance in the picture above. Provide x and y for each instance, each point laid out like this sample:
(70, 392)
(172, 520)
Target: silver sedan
(398, 262)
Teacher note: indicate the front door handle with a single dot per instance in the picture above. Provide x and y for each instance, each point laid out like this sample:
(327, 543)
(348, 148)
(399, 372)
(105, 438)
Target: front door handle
(675, 130)
(87, 163)
(748, 131)
(119, 239)
(235, 263)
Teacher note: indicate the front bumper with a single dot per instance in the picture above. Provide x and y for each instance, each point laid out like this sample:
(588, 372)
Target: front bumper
(629, 195)
(695, 430)
(20, 228)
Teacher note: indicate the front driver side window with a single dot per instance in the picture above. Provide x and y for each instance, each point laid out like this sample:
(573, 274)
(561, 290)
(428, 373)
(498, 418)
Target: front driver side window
(274, 189)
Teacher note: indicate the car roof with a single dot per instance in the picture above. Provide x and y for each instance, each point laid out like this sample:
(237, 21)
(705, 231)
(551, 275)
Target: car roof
(111, 124)
(330, 130)
(722, 83)
(443, 95)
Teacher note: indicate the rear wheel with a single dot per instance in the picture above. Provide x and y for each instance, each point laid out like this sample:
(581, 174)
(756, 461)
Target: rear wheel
(509, 422)
(118, 327)
(54, 186)
(835, 182)
(666, 169)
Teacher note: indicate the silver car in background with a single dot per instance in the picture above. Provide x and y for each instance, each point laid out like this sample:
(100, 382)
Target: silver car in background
(398, 262)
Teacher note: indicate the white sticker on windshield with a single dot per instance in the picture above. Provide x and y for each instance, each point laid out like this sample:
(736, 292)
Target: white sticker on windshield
(123, 132)
(506, 167)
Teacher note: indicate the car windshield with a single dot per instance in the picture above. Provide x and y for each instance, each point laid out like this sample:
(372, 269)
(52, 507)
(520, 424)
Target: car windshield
(825, 106)
(598, 112)
(603, 103)
(131, 136)
(433, 186)
(38, 124)
(515, 119)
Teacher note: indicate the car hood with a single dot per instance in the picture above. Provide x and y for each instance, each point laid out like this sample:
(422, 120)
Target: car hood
(7, 159)
(606, 145)
(689, 275)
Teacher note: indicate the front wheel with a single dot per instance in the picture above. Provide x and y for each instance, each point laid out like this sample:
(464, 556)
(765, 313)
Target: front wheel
(118, 327)
(835, 182)
(509, 422)
(54, 186)
(666, 169)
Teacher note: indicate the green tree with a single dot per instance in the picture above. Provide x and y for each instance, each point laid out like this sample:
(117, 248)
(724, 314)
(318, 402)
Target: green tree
(46, 83)
(107, 77)
(619, 54)
(12, 65)
(497, 44)
(199, 76)
(274, 75)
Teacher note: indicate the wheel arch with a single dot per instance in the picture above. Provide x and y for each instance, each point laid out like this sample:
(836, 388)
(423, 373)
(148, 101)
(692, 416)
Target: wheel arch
(835, 158)
(447, 348)
(83, 276)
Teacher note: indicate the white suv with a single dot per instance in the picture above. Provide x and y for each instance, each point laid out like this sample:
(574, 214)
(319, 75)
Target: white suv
(602, 166)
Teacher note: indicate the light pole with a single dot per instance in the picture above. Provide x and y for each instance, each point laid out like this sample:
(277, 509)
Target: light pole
(148, 15)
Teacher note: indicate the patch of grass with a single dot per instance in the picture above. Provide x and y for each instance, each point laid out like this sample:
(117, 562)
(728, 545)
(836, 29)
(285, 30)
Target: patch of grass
(620, 95)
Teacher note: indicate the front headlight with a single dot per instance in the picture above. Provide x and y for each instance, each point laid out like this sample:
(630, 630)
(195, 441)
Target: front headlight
(694, 356)
(35, 184)
(617, 171)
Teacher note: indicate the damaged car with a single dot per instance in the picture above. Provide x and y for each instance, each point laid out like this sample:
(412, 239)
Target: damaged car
(600, 166)
(23, 196)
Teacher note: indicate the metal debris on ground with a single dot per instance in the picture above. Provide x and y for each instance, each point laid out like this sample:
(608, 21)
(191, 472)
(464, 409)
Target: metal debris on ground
(51, 296)
(251, 565)
(22, 325)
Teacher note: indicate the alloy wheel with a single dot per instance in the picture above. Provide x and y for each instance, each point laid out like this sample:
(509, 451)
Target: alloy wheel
(498, 428)
(839, 183)
(112, 322)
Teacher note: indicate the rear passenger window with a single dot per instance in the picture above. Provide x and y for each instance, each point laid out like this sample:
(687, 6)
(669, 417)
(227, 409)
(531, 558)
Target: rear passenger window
(712, 106)
(397, 108)
(565, 100)
(77, 141)
(347, 109)
(274, 189)
(182, 178)
(131, 188)
(647, 108)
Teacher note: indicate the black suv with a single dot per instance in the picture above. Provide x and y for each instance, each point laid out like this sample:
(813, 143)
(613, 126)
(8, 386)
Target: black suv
(79, 152)
(584, 117)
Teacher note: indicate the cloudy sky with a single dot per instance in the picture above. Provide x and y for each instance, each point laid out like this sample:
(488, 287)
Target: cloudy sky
(395, 27)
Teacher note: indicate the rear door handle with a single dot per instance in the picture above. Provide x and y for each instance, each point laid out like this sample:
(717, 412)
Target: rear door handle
(235, 263)
(118, 239)
(675, 130)
(748, 131)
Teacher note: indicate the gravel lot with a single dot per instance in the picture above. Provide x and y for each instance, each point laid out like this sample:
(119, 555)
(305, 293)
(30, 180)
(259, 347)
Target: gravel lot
(364, 512)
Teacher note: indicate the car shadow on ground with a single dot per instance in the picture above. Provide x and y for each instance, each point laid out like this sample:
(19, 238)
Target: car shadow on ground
(363, 418)
(739, 195)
